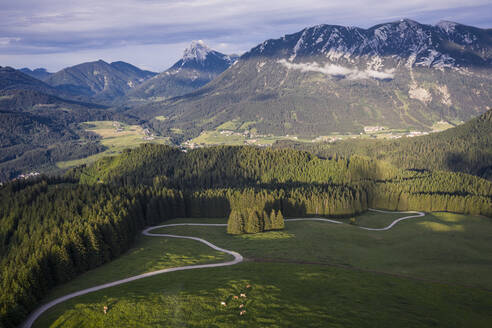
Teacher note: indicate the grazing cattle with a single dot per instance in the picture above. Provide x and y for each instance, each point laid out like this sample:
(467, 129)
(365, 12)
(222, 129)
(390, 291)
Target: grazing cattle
(235, 297)
(223, 303)
(243, 295)
(105, 309)
(242, 312)
(241, 306)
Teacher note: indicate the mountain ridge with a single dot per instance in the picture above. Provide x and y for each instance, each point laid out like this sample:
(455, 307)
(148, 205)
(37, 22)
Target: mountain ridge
(99, 81)
(198, 66)
(326, 79)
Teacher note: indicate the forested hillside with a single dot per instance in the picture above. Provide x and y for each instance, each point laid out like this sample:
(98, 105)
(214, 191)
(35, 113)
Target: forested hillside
(369, 182)
(52, 229)
(38, 127)
(37, 130)
(466, 148)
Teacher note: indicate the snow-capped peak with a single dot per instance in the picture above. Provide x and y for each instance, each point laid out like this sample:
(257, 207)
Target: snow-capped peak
(197, 50)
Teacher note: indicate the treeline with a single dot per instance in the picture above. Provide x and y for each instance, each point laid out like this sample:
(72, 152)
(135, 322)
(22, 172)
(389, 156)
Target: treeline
(466, 148)
(358, 178)
(434, 191)
(227, 166)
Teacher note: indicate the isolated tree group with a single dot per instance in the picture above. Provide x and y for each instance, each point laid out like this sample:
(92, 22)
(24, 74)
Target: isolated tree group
(250, 221)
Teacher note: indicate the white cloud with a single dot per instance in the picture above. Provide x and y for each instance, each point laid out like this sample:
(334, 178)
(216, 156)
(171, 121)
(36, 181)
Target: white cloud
(5, 41)
(337, 70)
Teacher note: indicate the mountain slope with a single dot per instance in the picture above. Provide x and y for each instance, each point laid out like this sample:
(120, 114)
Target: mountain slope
(100, 81)
(466, 148)
(12, 79)
(36, 126)
(199, 65)
(328, 78)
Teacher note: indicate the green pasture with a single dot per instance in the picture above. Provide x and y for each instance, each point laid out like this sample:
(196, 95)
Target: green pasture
(432, 271)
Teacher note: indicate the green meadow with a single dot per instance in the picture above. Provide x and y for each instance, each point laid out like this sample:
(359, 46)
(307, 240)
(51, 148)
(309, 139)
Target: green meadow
(116, 136)
(432, 271)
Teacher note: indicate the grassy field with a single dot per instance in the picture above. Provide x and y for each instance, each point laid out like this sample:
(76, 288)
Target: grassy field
(416, 275)
(216, 138)
(447, 247)
(209, 138)
(148, 254)
(116, 136)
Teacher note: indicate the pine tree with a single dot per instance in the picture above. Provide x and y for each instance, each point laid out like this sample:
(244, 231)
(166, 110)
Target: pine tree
(235, 223)
(269, 221)
(252, 222)
(278, 224)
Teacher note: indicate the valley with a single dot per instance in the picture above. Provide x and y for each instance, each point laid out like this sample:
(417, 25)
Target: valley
(232, 133)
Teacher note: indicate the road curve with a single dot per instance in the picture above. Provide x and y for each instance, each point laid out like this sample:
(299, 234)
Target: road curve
(237, 259)
(391, 225)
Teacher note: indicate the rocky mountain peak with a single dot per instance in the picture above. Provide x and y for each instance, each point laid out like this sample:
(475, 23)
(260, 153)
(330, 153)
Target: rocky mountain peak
(197, 50)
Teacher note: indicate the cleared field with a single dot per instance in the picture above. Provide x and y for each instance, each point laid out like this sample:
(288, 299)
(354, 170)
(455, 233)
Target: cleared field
(447, 247)
(116, 136)
(218, 138)
(281, 295)
(416, 275)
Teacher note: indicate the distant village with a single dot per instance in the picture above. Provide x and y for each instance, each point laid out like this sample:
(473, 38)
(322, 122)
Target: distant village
(251, 138)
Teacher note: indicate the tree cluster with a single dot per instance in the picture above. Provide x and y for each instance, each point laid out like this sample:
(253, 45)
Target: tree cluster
(251, 221)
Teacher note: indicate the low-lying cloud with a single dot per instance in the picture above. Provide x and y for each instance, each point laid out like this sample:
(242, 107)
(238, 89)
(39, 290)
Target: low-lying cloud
(337, 70)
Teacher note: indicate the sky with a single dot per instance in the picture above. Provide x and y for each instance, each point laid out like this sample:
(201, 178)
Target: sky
(152, 34)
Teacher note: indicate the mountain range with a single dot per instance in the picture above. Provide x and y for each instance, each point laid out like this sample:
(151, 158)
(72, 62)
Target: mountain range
(198, 66)
(328, 78)
(39, 111)
(321, 80)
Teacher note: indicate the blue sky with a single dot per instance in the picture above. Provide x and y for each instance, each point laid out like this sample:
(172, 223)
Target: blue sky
(152, 34)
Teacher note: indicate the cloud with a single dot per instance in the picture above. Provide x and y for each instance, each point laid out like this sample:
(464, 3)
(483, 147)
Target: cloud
(5, 41)
(337, 70)
(67, 27)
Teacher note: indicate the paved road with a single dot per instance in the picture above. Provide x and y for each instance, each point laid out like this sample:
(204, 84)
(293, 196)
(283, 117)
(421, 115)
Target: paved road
(417, 214)
(237, 259)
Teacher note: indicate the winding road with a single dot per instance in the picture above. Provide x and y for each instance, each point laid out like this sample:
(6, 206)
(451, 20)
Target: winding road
(391, 225)
(237, 258)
